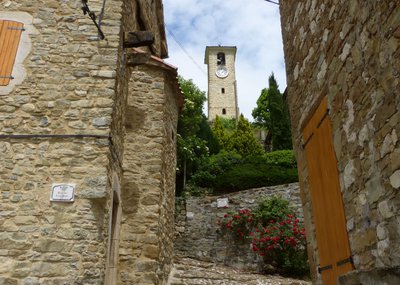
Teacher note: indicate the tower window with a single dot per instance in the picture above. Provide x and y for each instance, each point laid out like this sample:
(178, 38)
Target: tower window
(223, 90)
(220, 58)
(223, 111)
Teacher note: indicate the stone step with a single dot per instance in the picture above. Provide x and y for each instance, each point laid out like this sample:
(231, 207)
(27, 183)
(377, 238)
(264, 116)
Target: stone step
(189, 271)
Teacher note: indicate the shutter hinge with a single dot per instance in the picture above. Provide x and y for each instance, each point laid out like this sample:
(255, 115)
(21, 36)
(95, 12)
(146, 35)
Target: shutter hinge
(339, 263)
(323, 118)
(8, 77)
(16, 28)
(307, 141)
(344, 261)
(320, 269)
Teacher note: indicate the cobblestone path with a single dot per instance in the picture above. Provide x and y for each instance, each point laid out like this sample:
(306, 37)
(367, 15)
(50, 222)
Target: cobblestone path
(193, 272)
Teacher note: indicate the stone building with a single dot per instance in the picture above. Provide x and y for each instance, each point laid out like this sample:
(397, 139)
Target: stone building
(342, 65)
(87, 143)
(221, 75)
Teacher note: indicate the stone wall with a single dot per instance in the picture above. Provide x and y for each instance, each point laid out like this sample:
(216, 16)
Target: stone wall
(349, 52)
(198, 234)
(67, 89)
(148, 181)
(66, 120)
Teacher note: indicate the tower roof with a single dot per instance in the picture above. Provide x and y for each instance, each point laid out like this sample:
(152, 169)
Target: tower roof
(219, 48)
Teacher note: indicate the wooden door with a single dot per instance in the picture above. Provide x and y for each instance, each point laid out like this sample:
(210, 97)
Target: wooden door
(329, 218)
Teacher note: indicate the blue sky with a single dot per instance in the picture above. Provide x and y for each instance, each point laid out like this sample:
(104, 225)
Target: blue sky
(253, 26)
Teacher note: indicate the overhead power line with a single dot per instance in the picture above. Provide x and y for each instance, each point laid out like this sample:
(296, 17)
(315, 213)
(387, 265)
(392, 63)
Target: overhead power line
(185, 51)
(272, 2)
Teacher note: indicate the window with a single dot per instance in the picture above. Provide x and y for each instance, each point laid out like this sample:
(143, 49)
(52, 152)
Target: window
(10, 34)
(223, 111)
(220, 58)
(223, 90)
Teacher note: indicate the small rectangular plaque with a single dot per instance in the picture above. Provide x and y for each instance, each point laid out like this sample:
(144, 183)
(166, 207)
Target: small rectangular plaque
(62, 192)
(222, 202)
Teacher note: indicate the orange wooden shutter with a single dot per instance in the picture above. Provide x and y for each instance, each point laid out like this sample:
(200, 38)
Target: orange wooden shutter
(329, 217)
(10, 34)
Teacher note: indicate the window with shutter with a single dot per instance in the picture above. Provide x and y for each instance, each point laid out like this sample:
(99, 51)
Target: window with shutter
(10, 34)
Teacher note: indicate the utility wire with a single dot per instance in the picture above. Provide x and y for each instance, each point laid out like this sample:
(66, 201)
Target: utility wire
(185, 51)
(180, 45)
(272, 2)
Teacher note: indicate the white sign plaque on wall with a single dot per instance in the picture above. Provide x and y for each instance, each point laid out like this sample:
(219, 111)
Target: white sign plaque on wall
(62, 192)
(222, 203)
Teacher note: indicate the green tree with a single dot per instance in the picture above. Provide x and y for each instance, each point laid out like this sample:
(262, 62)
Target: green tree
(229, 125)
(192, 112)
(220, 134)
(272, 113)
(195, 138)
(243, 140)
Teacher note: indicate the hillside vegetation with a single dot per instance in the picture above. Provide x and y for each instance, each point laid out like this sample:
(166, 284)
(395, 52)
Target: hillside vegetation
(225, 156)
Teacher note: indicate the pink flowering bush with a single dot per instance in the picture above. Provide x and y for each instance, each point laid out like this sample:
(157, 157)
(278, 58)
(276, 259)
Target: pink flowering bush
(275, 233)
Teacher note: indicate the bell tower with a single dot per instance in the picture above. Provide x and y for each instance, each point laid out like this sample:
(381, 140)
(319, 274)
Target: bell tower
(222, 97)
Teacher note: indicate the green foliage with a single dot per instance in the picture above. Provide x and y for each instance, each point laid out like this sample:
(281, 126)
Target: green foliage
(243, 141)
(241, 223)
(248, 175)
(272, 209)
(193, 191)
(192, 112)
(229, 124)
(275, 233)
(282, 243)
(240, 165)
(203, 179)
(272, 113)
(222, 137)
(229, 171)
(284, 158)
(206, 134)
(195, 139)
(214, 166)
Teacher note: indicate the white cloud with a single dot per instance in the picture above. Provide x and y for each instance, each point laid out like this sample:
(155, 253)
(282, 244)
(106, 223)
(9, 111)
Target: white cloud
(252, 26)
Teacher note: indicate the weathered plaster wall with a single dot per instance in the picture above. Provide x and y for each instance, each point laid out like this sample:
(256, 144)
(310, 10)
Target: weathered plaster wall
(349, 51)
(199, 236)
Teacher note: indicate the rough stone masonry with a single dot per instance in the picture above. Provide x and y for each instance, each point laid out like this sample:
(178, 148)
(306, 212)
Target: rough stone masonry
(199, 236)
(347, 52)
(86, 112)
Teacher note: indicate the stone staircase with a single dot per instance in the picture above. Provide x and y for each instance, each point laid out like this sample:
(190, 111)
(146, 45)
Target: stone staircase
(188, 271)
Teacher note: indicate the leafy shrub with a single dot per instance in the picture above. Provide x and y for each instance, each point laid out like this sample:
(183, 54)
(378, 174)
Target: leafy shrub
(241, 223)
(221, 162)
(194, 191)
(247, 176)
(282, 243)
(203, 179)
(283, 158)
(272, 210)
(275, 233)
(229, 171)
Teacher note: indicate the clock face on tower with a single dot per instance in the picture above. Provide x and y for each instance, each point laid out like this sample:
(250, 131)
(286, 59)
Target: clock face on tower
(222, 72)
